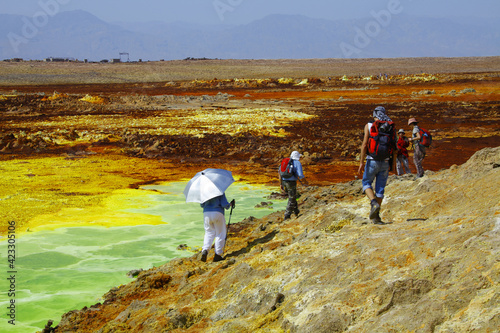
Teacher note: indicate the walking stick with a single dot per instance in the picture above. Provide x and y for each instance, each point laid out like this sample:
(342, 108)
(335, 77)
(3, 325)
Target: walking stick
(227, 229)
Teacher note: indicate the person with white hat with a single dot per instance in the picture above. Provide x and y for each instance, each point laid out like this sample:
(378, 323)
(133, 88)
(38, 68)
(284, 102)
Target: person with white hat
(418, 149)
(289, 183)
(402, 159)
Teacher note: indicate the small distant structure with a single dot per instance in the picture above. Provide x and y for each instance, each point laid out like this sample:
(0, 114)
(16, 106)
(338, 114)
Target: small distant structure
(115, 61)
(123, 54)
(204, 58)
(54, 59)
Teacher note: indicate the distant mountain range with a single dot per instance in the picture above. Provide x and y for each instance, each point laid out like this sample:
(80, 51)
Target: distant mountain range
(80, 35)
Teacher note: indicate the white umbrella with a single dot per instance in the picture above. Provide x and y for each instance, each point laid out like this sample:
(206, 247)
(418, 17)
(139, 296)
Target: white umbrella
(208, 184)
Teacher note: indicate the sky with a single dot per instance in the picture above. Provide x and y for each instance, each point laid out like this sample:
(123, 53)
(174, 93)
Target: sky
(245, 11)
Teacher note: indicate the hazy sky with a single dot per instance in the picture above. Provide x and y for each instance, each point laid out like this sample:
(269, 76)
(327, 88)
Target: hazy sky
(244, 11)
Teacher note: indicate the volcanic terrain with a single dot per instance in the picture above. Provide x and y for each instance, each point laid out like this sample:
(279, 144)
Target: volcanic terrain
(71, 133)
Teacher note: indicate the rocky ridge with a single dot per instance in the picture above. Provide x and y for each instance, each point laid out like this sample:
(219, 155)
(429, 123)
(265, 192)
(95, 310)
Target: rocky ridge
(434, 267)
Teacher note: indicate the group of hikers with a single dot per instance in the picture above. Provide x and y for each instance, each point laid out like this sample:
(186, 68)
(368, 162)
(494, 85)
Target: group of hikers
(383, 151)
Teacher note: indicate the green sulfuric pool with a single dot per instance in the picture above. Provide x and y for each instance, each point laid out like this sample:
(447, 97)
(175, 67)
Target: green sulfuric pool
(68, 268)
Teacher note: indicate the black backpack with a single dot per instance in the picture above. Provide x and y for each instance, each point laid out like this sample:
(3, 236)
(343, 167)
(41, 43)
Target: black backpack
(382, 140)
(286, 168)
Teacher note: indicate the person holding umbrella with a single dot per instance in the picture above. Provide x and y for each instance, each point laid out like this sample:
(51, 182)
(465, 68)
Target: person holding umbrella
(207, 188)
(215, 226)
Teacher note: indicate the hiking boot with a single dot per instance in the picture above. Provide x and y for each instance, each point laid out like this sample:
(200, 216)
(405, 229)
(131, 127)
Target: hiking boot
(204, 254)
(218, 258)
(287, 217)
(297, 212)
(377, 220)
(375, 209)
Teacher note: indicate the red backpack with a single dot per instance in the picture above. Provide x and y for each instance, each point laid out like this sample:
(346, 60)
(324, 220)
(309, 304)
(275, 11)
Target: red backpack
(382, 140)
(286, 168)
(425, 137)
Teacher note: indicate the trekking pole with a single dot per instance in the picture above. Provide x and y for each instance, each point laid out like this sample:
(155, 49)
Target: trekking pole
(301, 183)
(227, 229)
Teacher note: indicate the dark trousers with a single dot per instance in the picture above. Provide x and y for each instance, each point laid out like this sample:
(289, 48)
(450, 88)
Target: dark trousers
(291, 190)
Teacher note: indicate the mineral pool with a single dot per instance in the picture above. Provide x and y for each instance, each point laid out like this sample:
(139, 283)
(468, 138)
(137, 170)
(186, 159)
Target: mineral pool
(67, 268)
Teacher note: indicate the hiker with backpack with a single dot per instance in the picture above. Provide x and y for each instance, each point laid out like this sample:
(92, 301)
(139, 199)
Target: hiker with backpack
(402, 162)
(290, 171)
(379, 148)
(421, 139)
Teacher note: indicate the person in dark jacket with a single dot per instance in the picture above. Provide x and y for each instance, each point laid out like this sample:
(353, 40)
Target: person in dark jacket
(289, 185)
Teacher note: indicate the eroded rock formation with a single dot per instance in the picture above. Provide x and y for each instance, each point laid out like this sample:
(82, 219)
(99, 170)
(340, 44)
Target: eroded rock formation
(433, 268)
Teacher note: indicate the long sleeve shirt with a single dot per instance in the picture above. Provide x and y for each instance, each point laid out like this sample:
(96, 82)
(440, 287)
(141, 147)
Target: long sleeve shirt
(217, 204)
(297, 171)
(402, 145)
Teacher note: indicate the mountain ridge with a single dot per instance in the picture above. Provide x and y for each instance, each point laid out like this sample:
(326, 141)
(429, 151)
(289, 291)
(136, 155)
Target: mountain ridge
(79, 34)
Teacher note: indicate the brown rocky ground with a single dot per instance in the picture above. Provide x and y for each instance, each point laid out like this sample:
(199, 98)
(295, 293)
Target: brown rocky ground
(433, 268)
(461, 109)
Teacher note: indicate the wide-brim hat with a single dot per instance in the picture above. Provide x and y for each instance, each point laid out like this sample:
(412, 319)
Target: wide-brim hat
(401, 131)
(412, 120)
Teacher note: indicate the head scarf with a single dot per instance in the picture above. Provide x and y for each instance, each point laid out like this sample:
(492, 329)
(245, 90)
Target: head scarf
(379, 113)
(295, 155)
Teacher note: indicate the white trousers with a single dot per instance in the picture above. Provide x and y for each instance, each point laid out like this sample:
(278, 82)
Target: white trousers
(215, 228)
